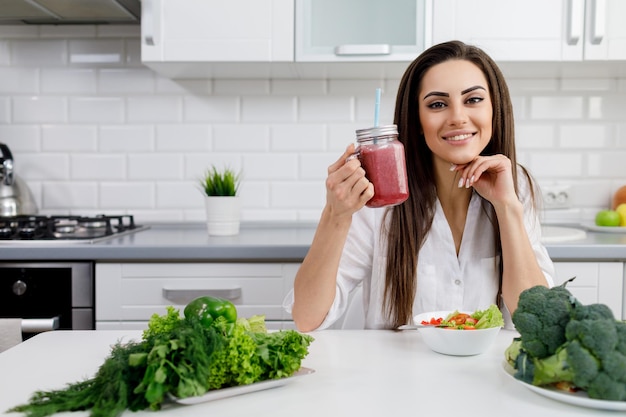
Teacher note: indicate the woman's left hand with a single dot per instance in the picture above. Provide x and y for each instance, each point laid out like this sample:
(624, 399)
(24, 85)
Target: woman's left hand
(491, 177)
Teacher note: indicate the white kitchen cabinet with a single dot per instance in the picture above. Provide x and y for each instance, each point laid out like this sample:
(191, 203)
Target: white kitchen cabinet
(361, 30)
(595, 282)
(128, 294)
(217, 31)
(535, 30)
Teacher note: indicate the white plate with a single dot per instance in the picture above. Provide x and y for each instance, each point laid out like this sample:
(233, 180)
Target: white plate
(574, 398)
(604, 229)
(242, 389)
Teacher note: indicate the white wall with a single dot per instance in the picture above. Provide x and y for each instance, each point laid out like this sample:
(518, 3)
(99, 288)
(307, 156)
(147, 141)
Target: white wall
(94, 131)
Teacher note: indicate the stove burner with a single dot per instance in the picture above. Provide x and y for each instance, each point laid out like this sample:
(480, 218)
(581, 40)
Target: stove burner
(65, 227)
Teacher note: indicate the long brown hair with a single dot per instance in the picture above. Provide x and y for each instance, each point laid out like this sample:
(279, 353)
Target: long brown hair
(410, 222)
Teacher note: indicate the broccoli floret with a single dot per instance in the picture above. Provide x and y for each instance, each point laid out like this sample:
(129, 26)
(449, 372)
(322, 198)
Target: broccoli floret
(589, 359)
(592, 311)
(541, 316)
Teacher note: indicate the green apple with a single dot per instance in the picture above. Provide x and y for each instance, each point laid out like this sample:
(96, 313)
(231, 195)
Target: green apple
(608, 218)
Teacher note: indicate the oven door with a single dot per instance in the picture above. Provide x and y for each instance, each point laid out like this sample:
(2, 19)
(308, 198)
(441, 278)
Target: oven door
(48, 295)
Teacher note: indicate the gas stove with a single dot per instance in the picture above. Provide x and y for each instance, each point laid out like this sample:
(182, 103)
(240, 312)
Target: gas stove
(67, 229)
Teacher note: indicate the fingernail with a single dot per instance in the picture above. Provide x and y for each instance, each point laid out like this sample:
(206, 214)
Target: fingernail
(461, 182)
(467, 183)
(472, 179)
(452, 167)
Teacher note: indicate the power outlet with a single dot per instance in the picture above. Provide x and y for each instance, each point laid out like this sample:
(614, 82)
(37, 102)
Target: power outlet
(557, 196)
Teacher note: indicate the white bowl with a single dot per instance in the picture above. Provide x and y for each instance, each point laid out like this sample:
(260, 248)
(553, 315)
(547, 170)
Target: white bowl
(455, 342)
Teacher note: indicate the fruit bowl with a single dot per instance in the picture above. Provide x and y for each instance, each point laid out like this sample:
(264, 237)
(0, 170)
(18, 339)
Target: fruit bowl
(455, 342)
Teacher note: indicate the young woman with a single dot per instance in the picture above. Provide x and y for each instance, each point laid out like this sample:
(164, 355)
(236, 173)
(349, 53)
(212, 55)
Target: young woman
(468, 236)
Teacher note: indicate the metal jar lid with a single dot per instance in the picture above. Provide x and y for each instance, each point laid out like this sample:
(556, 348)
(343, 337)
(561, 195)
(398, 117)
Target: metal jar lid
(378, 131)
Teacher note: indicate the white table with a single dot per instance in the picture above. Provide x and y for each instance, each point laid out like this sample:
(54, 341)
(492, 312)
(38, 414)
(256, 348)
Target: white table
(357, 373)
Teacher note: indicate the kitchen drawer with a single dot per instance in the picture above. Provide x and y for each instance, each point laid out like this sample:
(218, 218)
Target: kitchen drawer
(132, 292)
(142, 325)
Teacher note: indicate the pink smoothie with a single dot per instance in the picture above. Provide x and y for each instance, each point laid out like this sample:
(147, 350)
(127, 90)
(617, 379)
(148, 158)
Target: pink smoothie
(385, 167)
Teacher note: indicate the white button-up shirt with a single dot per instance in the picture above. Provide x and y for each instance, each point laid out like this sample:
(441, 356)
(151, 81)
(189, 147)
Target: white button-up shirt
(445, 281)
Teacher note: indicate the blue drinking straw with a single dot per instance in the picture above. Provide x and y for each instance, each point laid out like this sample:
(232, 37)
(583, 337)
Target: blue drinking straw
(377, 107)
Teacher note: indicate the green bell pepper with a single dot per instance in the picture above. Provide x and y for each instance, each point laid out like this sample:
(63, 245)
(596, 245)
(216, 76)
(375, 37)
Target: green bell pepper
(208, 308)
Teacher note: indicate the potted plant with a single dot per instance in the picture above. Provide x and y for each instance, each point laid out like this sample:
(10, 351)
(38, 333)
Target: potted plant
(222, 201)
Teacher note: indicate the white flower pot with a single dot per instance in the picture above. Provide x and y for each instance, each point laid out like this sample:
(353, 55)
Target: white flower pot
(223, 215)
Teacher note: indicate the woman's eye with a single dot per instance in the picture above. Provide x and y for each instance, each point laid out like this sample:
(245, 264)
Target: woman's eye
(436, 105)
(474, 100)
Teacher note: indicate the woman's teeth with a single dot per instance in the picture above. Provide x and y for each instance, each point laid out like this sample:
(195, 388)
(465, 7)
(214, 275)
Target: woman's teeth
(460, 137)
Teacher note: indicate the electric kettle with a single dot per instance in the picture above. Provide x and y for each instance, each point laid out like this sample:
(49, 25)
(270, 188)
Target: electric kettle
(16, 199)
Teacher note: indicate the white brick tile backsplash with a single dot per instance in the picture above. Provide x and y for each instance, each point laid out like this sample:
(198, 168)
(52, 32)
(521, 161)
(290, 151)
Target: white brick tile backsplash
(20, 138)
(125, 81)
(607, 164)
(349, 87)
(300, 195)
(96, 109)
(155, 167)
(556, 107)
(68, 81)
(93, 130)
(133, 52)
(341, 135)
(126, 138)
(35, 53)
(244, 138)
(177, 195)
(211, 109)
(608, 107)
(254, 194)
(79, 195)
(5, 53)
(68, 138)
(299, 87)
(241, 87)
(195, 87)
(154, 109)
(325, 109)
(577, 84)
(584, 136)
(98, 167)
(314, 166)
(127, 195)
(173, 137)
(561, 165)
(298, 137)
(21, 81)
(365, 110)
(271, 166)
(43, 166)
(196, 164)
(268, 109)
(39, 109)
(5, 109)
(535, 136)
(96, 51)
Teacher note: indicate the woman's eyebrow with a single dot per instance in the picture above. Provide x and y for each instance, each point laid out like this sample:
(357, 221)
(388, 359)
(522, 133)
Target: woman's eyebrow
(441, 94)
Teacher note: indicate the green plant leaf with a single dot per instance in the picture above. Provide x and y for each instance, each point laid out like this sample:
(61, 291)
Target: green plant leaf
(220, 183)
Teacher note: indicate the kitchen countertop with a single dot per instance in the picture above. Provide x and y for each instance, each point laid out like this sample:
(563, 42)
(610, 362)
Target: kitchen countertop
(263, 241)
(357, 373)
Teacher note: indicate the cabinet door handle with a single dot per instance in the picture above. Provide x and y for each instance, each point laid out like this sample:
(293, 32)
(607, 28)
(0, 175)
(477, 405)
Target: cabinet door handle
(147, 22)
(598, 21)
(381, 49)
(185, 295)
(39, 325)
(575, 20)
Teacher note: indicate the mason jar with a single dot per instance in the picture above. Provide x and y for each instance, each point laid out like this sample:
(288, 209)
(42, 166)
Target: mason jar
(382, 157)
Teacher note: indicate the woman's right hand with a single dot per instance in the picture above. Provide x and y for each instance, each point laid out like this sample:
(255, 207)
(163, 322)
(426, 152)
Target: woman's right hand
(347, 188)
